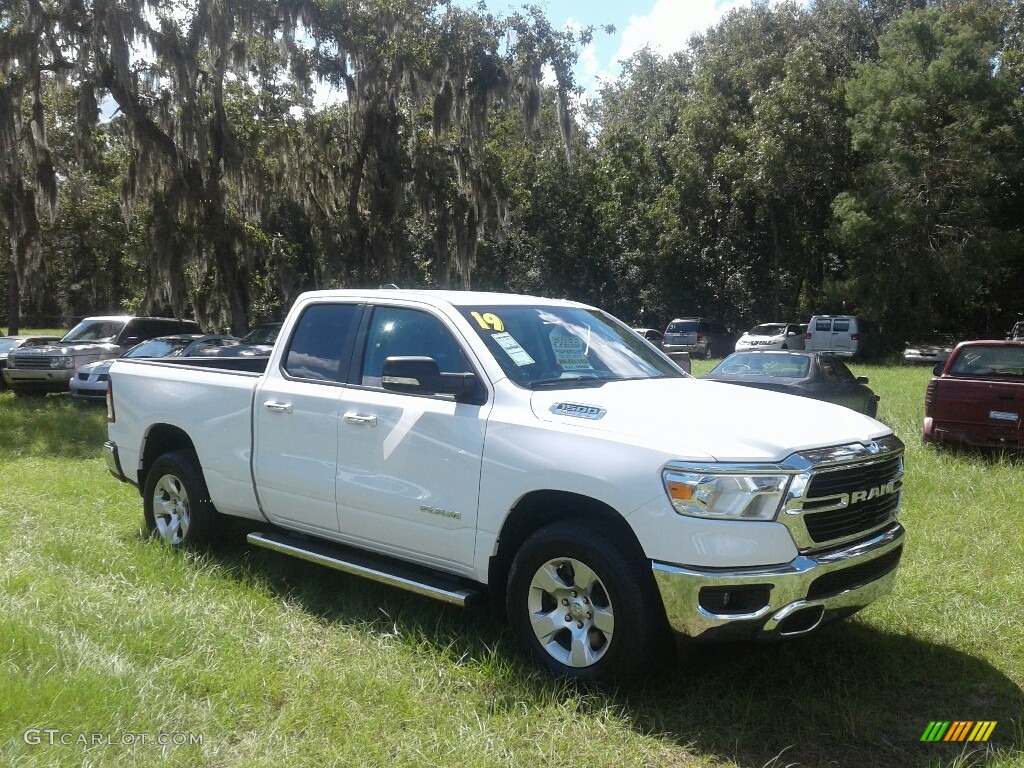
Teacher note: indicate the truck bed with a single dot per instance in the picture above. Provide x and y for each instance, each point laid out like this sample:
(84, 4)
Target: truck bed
(209, 400)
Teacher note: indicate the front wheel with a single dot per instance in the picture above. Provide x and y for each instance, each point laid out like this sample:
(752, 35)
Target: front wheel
(582, 608)
(176, 504)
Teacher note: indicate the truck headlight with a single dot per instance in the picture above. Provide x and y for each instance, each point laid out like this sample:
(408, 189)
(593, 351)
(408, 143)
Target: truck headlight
(62, 362)
(725, 496)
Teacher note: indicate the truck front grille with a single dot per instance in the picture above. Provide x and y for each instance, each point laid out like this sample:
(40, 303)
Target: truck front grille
(835, 481)
(856, 518)
(34, 363)
(845, 494)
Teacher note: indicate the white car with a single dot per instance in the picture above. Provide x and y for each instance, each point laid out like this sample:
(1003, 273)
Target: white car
(772, 336)
(933, 348)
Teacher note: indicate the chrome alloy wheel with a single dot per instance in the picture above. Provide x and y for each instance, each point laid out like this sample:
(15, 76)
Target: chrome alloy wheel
(171, 509)
(570, 612)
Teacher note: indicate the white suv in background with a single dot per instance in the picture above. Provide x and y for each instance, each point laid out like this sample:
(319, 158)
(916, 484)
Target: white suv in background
(772, 336)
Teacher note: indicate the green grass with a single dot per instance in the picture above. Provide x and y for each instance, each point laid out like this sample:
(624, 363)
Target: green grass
(275, 662)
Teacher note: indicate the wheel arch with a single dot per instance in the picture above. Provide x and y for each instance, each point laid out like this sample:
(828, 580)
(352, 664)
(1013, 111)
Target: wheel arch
(161, 439)
(542, 507)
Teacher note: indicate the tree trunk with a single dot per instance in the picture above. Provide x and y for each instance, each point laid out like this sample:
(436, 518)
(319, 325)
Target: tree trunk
(13, 308)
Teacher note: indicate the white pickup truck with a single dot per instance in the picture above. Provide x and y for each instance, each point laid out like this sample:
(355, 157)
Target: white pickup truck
(458, 443)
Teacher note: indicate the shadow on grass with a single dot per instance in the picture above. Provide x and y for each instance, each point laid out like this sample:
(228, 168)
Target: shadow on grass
(55, 426)
(848, 695)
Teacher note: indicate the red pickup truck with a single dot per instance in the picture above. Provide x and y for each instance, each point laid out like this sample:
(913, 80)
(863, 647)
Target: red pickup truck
(977, 397)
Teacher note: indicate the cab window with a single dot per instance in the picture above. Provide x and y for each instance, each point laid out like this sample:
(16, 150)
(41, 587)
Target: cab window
(402, 332)
(321, 345)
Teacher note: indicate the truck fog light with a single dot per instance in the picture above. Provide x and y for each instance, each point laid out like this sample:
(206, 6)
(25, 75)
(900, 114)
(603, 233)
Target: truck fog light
(749, 598)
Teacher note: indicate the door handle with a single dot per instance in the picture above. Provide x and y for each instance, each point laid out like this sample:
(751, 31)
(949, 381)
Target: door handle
(273, 405)
(359, 418)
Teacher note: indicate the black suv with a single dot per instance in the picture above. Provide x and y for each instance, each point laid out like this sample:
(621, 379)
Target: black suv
(700, 337)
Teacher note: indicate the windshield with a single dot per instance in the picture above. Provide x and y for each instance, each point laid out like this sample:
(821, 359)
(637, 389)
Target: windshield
(768, 329)
(990, 361)
(95, 330)
(264, 334)
(553, 346)
(158, 348)
(779, 366)
(683, 326)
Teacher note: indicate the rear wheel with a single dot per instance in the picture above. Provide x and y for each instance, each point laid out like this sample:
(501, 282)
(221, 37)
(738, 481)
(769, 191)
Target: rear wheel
(176, 504)
(583, 608)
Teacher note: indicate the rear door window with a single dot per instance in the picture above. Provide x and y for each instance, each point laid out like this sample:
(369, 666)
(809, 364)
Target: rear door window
(841, 326)
(823, 325)
(321, 345)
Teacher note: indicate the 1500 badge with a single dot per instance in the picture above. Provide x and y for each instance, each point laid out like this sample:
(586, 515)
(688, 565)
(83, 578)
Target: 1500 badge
(578, 411)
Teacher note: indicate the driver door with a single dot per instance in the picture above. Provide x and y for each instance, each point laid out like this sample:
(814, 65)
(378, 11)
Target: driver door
(408, 474)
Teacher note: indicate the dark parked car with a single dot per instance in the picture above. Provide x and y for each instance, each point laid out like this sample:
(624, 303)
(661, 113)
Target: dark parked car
(259, 342)
(699, 337)
(977, 398)
(11, 343)
(818, 375)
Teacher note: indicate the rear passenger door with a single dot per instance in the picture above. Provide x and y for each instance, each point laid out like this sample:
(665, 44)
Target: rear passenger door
(409, 464)
(295, 420)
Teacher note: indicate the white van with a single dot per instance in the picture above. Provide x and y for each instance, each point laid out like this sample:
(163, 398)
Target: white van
(845, 335)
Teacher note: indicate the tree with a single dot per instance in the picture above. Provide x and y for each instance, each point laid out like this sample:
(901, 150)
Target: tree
(931, 226)
(30, 55)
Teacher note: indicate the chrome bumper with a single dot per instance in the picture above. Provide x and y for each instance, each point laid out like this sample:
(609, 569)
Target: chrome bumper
(780, 601)
(114, 461)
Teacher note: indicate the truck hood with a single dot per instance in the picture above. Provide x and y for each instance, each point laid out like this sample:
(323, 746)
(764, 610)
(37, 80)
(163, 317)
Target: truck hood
(700, 420)
(68, 349)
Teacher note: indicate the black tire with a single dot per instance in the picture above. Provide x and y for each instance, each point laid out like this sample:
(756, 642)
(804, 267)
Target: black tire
(583, 608)
(176, 503)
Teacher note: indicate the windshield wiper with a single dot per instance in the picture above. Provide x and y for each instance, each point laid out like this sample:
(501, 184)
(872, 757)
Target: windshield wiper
(568, 381)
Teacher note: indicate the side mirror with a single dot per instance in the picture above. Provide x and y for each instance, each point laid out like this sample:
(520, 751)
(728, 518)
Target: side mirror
(862, 380)
(937, 370)
(421, 376)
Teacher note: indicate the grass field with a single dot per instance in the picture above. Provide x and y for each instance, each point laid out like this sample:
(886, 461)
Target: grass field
(113, 644)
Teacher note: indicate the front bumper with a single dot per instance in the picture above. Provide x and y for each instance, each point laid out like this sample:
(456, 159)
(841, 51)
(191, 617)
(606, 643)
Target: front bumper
(49, 380)
(780, 601)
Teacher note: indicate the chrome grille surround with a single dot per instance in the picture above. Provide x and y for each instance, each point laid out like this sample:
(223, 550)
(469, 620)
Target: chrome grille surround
(873, 471)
